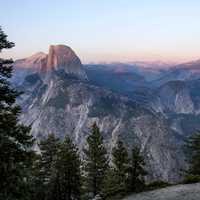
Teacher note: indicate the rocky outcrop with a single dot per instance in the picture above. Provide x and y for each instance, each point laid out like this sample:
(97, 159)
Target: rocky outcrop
(59, 57)
(63, 57)
(174, 97)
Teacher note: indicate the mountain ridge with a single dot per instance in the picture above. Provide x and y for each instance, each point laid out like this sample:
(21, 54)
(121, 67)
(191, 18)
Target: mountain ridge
(126, 101)
(62, 103)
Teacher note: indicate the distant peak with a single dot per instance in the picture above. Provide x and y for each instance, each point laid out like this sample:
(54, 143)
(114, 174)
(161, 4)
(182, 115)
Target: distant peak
(40, 53)
(34, 61)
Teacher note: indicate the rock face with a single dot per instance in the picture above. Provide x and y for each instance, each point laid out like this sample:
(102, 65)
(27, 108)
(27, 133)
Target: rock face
(69, 106)
(174, 96)
(173, 92)
(179, 102)
(63, 57)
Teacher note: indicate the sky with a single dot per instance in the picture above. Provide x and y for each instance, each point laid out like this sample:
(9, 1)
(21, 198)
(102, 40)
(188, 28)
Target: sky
(104, 30)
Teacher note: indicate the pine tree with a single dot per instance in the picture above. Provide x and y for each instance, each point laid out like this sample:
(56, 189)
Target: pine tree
(48, 148)
(192, 150)
(67, 175)
(110, 184)
(36, 181)
(120, 161)
(95, 163)
(43, 167)
(15, 139)
(136, 171)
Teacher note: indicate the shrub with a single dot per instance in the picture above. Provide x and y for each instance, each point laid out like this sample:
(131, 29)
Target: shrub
(191, 179)
(157, 184)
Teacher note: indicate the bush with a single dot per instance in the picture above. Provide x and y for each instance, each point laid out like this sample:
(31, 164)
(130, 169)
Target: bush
(191, 179)
(157, 185)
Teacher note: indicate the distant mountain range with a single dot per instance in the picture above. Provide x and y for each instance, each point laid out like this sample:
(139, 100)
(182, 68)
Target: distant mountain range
(153, 107)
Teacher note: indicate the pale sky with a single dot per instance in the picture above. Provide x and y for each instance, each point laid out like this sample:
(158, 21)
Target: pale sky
(104, 30)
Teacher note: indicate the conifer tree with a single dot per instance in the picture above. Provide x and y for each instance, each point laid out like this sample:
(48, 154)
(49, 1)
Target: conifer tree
(15, 140)
(120, 162)
(43, 167)
(136, 171)
(192, 150)
(95, 163)
(110, 184)
(67, 175)
(36, 180)
(48, 148)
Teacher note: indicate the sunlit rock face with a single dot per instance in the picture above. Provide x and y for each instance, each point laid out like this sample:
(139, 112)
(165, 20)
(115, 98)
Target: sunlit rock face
(59, 57)
(63, 57)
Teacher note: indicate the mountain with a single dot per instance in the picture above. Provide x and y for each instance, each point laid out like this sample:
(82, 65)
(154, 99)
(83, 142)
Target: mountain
(26, 66)
(179, 102)
(174, 96)
(34, 62)
(123, 79)
(63, 57)
(60, 98)
(192, 66)
(59, 57)
(185, 71)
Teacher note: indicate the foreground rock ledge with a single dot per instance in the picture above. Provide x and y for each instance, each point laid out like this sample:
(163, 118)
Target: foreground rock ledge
(179, 192)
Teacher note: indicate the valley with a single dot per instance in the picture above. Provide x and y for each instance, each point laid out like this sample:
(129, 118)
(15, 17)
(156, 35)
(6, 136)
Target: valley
(145, 106)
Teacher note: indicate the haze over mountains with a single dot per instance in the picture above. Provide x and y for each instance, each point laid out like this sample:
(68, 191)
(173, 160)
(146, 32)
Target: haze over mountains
(152, 106)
